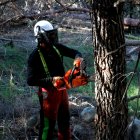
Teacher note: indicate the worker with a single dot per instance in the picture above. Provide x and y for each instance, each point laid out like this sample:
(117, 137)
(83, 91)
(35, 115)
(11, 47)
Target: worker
(45, 67)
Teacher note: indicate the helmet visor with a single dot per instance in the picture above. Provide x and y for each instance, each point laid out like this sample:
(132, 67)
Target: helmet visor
(52, 36)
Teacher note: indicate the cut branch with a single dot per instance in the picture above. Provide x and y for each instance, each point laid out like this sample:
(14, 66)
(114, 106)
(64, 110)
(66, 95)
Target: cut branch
(133, 98)
(48, 14)
(132, 42)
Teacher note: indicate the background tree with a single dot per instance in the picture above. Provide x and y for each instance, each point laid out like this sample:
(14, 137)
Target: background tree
(17, 18)
(110, 83)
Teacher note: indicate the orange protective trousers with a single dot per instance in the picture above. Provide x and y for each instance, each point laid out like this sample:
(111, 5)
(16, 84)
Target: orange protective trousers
(55, 107)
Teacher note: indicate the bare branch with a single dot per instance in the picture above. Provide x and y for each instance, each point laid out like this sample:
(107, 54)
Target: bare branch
(6, 2)
(47, 14)
(109, 53)
(133, 98)
(60, 3)
(65, 6)
(132, 76)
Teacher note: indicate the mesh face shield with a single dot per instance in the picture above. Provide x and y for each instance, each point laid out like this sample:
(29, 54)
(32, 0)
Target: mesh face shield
(48, 36)
(52, 36)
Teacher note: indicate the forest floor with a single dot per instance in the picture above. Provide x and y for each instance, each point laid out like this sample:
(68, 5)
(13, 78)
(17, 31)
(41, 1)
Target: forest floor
(19, 119)
(16, 115)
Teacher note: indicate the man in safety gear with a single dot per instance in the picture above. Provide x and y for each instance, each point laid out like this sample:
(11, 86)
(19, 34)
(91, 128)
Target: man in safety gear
(45, 66)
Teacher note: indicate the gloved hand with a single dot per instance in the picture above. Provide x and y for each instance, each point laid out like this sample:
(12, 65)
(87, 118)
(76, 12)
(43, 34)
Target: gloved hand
(58, 81)
(79, 63)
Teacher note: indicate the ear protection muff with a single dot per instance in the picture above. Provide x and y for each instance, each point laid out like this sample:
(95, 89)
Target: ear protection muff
(41, 36)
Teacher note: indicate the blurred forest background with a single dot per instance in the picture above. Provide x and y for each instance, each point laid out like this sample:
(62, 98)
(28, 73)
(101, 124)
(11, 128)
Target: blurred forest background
(19, 106)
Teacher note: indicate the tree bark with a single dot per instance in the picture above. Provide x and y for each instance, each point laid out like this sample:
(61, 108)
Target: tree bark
(110, 84)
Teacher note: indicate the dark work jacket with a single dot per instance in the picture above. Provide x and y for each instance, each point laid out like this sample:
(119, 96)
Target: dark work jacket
(36, 73)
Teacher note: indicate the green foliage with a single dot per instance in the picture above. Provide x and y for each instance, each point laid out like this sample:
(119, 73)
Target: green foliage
(12, 71)
(133, 89)
(87, 52)
(13, 63)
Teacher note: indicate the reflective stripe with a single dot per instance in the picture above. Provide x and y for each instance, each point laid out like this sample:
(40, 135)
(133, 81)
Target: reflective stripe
(57, 52)
(44, 62)
(45, 129)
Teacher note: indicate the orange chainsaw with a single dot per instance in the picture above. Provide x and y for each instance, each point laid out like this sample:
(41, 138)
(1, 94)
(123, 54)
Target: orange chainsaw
(74, 77)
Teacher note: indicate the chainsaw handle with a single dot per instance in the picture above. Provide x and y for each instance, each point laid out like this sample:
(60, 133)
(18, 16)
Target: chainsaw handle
(71, 75)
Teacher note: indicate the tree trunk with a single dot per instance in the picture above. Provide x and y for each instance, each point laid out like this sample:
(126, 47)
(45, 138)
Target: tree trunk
(110, 83)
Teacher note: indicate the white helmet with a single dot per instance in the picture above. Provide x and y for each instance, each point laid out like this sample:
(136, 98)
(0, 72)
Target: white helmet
(42, 26)
(44, 31)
